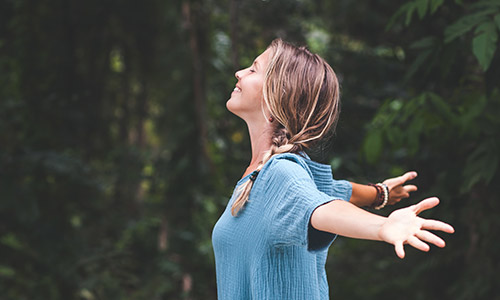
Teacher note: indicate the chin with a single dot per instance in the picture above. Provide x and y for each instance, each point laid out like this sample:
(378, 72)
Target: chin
(229, 105)
(232, 106)
(233, 109)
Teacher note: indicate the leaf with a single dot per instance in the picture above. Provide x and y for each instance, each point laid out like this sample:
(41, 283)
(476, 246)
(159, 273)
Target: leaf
(435, 4)
(394, 135)
(464, 25)
(404, 8)
(471, 113)
(425, 42)
(411, 108)
(372, 146)
(428, 45)
(497, 21)
(485, 3)
(442, 107)
(409, 13)
(417, 63)
(6, 271)
(422, 6)
(481, 165)
(12, 241)
(413, 133)
(484, 44)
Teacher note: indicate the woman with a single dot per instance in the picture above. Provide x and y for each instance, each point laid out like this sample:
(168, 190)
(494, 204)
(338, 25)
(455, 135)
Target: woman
(272, 240)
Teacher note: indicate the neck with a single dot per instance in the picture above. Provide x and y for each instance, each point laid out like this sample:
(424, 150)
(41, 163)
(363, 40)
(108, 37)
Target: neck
(260, 139)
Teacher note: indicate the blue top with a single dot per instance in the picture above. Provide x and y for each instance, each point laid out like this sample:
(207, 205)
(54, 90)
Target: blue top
(270, 250)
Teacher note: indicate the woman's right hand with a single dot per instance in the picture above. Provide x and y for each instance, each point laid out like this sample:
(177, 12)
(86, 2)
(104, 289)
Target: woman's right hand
(397, 189)
(404, 226)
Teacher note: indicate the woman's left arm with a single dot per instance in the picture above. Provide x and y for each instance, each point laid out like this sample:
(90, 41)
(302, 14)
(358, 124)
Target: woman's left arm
(365, 195)
(403, 226)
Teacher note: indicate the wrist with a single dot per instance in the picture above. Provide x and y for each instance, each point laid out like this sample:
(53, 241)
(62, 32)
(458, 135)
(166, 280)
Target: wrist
(381, 196)
(384, 195)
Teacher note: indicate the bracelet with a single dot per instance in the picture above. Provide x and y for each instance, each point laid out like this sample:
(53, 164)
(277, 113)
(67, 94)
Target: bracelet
(385, 189)
(379, 198)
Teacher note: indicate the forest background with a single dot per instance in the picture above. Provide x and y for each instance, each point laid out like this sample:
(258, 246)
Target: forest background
(117, 154)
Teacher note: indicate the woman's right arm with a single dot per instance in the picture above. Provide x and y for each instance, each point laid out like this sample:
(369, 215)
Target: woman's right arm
(403, 226)
(365, 195)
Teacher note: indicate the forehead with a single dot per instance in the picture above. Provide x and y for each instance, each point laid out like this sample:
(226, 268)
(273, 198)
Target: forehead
(263, 59)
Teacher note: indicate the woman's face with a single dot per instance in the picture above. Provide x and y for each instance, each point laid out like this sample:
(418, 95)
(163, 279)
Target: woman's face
(247, 98)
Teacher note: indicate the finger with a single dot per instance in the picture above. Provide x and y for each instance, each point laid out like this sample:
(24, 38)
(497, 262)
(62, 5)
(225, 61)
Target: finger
(406, 176)
(402, 195)
(410, 188)
(437, 225)
(400, 250)
(425, 204)
(410, 175)
(418, 244)
(430, 237)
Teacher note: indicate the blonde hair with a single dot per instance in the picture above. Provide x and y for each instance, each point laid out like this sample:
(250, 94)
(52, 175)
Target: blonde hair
(301, 92)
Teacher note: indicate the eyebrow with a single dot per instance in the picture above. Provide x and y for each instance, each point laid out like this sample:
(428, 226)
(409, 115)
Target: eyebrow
(256, 64)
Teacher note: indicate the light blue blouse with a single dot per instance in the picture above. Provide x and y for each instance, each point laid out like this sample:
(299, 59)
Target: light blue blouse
(270, 250)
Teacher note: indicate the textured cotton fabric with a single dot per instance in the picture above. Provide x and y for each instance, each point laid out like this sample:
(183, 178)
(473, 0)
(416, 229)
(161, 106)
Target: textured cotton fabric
(270, 250)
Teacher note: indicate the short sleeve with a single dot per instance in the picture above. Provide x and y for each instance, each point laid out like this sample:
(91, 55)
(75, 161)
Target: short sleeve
(341, 189)
(293, 197)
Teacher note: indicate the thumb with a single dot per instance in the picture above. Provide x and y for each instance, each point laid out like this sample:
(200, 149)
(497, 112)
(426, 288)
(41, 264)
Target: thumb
(425, 204)
(399, 248)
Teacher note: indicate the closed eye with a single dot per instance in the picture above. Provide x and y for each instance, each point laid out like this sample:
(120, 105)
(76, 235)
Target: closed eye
(255, 66)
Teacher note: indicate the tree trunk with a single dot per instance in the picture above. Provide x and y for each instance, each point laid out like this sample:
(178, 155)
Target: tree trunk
(192, 14)
(233, 23)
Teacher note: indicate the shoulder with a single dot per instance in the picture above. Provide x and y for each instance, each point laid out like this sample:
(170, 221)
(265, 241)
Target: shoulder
(288, 166)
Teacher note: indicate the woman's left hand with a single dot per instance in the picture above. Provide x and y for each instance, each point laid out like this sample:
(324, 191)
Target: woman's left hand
(404, 226)
(397, 189)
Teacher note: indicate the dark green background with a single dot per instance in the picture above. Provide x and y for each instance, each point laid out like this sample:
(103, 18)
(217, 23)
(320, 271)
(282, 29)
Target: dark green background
(117, 154)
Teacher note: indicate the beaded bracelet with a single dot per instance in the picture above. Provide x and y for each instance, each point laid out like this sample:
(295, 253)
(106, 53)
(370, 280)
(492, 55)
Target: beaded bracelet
(379, 198)
(385, 189)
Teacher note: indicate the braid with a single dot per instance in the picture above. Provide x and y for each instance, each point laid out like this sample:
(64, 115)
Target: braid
(280, 144)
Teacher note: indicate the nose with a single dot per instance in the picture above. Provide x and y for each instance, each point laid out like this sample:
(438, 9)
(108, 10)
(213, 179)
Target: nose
(237, 74)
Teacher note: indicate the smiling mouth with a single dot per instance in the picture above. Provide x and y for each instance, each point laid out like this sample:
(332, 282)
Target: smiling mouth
(237, 89)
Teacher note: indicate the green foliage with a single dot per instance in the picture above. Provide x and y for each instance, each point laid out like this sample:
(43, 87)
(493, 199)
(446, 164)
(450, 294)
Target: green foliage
(431, 120)
(447, 125)
(421, 7)
(465, 24)
(484, 43)
(373, 147)
(482, 18)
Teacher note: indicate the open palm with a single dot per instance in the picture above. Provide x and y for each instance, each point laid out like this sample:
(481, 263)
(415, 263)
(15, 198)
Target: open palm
(404, 226)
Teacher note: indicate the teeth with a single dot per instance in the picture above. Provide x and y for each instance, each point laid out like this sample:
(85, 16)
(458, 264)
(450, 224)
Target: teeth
(237, 89)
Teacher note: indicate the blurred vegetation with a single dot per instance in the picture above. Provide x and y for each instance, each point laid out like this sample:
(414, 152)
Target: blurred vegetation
(117, 154)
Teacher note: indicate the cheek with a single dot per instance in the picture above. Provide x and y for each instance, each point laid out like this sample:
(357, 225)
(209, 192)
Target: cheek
(254, 92)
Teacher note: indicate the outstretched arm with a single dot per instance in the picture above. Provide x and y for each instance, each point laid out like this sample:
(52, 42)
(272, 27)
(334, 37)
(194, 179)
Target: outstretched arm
(365, 195)
(403, 226)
